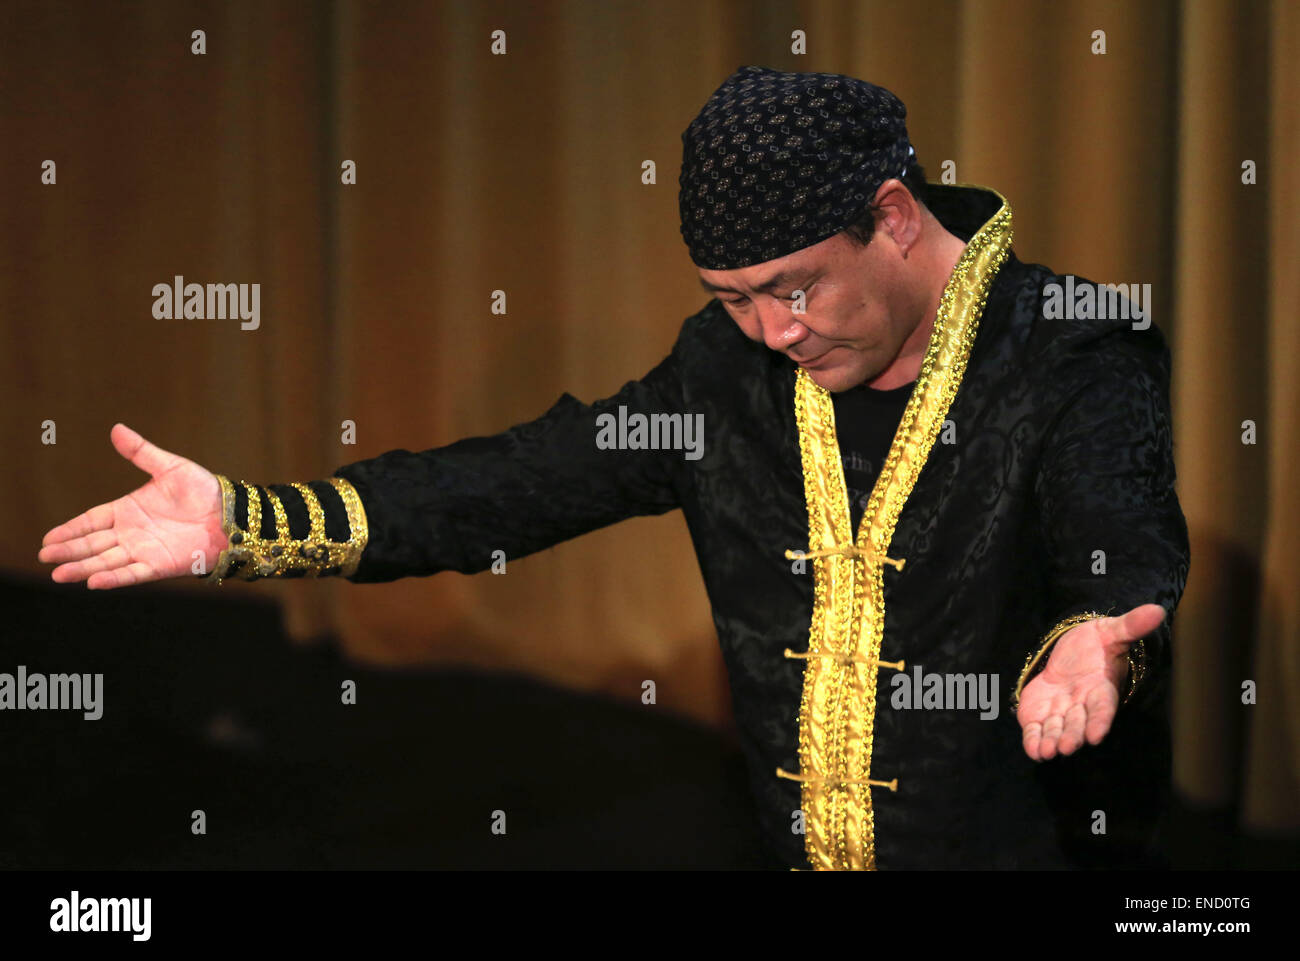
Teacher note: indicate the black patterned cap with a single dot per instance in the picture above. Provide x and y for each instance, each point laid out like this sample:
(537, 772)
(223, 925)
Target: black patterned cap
(776, 162)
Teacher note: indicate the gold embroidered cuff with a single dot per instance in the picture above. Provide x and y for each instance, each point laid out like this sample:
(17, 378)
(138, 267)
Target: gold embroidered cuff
(314, 534)
(1137, 667)
(1137, 658)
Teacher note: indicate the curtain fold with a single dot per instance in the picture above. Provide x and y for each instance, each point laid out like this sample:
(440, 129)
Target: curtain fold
(1271, 790)
(1220, 381)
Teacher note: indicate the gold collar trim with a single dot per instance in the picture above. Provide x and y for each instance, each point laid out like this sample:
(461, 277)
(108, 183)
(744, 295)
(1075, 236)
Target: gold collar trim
(837, 709)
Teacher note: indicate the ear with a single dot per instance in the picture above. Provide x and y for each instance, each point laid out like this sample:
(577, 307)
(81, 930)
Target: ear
(899, 216)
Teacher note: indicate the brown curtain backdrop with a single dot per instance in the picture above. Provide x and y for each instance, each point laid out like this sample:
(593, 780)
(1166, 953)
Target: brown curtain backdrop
(523, 173)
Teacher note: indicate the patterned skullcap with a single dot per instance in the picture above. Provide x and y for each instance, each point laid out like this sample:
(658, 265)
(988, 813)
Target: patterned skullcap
(776, 162)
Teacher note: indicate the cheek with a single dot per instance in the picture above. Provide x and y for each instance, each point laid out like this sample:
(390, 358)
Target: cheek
(872, 314)
(844, 318)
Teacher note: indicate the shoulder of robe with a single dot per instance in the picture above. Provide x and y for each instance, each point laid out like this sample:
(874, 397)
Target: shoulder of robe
(1074, 328)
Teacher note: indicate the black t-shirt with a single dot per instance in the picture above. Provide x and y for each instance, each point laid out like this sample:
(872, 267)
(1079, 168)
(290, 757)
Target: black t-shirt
(865, 422)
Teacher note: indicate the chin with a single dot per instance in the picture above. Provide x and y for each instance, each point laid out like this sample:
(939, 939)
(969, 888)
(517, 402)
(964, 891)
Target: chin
(836, 379)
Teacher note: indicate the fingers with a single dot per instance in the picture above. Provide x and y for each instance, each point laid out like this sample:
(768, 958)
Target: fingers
(116, 556)
(1032, 712)
(138, 451)
(1072, 729)
(136, 573)
(1137, 623)
(1032, 739)
(77, 548)
(1063, 726)
(96, 519)
(150, 458)
(1042, 739)
(1101, 712)
(1051, 732)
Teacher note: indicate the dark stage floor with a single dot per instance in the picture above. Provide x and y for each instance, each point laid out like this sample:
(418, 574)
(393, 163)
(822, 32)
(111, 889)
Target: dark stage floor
(208, 707)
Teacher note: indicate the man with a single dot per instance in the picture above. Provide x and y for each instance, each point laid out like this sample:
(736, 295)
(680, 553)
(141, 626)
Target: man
(1021, 544)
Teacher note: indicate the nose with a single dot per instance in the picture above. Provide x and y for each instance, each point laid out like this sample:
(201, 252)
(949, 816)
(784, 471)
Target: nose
(781, 327)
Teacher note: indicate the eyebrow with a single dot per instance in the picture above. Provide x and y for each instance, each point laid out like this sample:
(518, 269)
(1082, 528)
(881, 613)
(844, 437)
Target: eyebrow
(779, 279)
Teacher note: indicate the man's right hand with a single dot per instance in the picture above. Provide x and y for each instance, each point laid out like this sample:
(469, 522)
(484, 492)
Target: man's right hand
(147, 535)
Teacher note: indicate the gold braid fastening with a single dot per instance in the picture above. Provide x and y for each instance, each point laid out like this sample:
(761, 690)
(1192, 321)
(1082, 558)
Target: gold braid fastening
(837, 782)
(847, 550)
(845, 659)
(250, 556)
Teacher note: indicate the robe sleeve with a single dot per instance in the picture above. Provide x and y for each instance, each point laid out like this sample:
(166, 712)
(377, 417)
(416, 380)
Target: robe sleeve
(1106, 484)
(519, 491)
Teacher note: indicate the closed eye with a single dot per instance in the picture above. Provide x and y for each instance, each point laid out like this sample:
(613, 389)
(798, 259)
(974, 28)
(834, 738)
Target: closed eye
(807, 293)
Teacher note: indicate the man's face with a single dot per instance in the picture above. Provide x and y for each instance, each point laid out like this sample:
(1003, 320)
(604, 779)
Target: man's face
(857, 310)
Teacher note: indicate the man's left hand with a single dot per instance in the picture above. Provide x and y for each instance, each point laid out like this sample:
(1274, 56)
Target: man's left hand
(1077, 694)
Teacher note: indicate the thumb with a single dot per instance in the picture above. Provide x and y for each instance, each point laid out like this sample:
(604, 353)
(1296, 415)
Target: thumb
(1126, 628)
(151, 459)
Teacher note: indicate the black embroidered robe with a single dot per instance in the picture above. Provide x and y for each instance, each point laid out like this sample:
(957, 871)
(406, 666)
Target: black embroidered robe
(1030, 479)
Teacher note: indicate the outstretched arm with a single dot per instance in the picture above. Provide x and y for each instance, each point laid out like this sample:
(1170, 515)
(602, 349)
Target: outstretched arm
(519, 491)
(1116, 544)
(397, 515)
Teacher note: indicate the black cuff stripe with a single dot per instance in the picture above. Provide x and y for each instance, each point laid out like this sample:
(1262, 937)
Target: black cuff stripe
(295, 509)
(241, 507)
(337, 528)
(268, 515)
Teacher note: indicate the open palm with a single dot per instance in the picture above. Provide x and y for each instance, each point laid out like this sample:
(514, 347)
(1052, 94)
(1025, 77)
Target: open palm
(146, 535)
(1077, 694)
